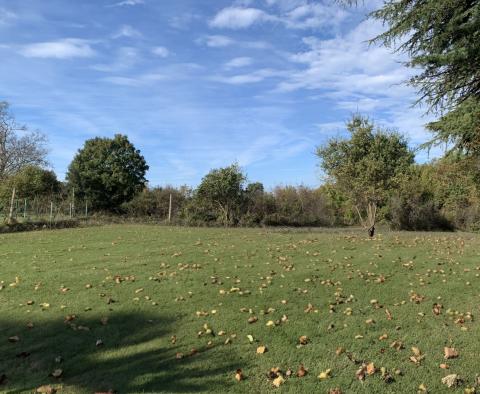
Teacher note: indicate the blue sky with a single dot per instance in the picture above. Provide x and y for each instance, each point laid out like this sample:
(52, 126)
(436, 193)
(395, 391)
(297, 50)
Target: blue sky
(198, 84)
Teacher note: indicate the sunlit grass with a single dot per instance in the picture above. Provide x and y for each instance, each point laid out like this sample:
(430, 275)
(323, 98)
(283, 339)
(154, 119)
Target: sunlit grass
(159, 286)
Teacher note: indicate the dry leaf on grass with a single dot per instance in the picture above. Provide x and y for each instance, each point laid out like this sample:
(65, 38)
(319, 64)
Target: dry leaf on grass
(303, 340)
(46, 390)
(278, 381)
(324, 374)
(449, 352)
(371, 369)
(437, 309)
(261, 349)
(336, 390)
(360, 374)
(301, 371)
(451, 380)
(239, 375)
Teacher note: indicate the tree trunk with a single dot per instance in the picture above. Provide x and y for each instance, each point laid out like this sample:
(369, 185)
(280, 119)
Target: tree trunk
(10, 214)
(372, 215)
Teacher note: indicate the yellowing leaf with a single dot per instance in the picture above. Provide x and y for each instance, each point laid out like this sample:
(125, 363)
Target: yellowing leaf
(416, 351)
(371, 369)
(261, 349)
(278, 381)
(303, 340)
(324, 374)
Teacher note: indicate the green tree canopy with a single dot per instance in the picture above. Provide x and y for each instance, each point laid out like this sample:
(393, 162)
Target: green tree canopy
(223, 191)
(108, 172)
(442, 39)
(365, 166)
(31, 182)
(460, 128)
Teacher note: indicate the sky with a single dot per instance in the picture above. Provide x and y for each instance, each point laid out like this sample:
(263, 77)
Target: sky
(201, 84)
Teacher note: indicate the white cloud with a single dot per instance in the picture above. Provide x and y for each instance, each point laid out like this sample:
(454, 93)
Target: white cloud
(219, 41)
(127, 31)
(348, 65)
(354, 76)
(215, 41)
(161, 51)
(173, 72)
(253, 77)
(309, 16)
(239, 62)
(142, 80)
(293, 15)
(239, 18)
(61, 49)
(127, 3)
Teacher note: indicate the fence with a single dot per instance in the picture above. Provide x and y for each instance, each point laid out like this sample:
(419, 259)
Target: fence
(50, 208)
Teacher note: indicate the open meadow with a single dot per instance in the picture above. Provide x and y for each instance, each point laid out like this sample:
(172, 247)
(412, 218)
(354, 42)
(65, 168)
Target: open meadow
(138, 308)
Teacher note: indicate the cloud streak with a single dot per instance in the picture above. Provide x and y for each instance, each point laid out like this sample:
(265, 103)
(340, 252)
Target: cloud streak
(303, 16)
(62, 49)
(127, 3)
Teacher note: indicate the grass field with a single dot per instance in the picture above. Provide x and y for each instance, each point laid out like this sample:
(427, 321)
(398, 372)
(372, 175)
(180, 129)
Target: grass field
(171, 307)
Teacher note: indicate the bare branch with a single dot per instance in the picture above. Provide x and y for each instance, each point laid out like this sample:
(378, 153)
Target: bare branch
(18, 145)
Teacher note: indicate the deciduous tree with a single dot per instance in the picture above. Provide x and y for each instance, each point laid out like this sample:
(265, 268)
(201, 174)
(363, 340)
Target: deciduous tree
(19, 147)
(365, 166)
(108, 172)
(223, 190)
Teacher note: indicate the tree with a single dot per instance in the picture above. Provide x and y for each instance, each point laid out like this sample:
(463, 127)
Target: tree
(222, 191)
(414, 205)
(107, 172)
(365, 166)
(155, 202)
(31, 182)
(442, 38)
(460, 128)
(19, 147)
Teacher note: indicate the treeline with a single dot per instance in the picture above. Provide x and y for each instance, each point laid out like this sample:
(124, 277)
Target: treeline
(283, 206)
(442, 195)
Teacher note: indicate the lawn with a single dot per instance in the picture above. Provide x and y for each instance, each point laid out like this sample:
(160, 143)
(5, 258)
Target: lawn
(134, 308)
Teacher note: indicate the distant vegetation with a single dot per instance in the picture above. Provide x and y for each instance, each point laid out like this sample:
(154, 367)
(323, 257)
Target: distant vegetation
(370, 176)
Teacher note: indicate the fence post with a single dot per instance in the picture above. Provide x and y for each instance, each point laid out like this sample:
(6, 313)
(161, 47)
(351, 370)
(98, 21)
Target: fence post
(86, 208)
(10, 214)
(73, 202)
(25, 209)
(51, 212)
(170, 209)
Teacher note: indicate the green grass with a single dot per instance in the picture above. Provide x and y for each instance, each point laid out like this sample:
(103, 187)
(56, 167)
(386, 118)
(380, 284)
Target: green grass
(183, 271)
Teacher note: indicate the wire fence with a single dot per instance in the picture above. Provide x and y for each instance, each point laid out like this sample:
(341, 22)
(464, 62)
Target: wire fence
(55, 207)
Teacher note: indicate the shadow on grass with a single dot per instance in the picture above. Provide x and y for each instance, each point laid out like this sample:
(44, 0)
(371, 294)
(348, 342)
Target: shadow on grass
(137, 355)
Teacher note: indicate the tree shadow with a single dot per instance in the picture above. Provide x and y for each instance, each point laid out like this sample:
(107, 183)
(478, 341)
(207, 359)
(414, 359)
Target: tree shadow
(137, 354)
